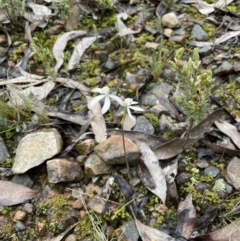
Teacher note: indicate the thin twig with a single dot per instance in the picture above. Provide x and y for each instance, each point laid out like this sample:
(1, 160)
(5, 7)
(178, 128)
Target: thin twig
(124, 147)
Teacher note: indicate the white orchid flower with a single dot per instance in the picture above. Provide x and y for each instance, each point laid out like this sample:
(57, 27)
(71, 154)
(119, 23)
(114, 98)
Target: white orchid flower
(104, 93)
(127, 103)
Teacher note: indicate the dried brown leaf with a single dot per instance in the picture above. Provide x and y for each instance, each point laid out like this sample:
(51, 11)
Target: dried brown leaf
(186, 217)
(220, 149)
(98, 122)
(229, 130)
(224, 234)
(154, 177)
(13, 193)
(150, 234)
(176, 146)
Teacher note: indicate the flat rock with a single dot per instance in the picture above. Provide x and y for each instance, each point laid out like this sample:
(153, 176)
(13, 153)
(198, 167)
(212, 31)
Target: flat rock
(163, 89)
(212, 171)
(198, 33)
(94, 166)
(111, 151)
(144, 125)
(63, 170)
(97, 204)
(205, 50)
(4, 154)
(128, 232)
(85, 147)
(149, 99)
(170, 20)
(224, 68)
(35, 148)
(233, 173)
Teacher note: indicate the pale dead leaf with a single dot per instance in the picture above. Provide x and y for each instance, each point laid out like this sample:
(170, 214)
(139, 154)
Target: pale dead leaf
(186, 217)
(79, 50)
(129, 123)
(40, 14)
(73, 85)
(203, 7)
(123, 30)
(41, 92)
(19, 97)
(226, 36)
(158, 183)
(150, 234)
(206, 8)
(39, 10)
(198, 43)
(60, 45)
(229, 130)
(222, 3)
(152, 45)
(13, 193)
(98, 122)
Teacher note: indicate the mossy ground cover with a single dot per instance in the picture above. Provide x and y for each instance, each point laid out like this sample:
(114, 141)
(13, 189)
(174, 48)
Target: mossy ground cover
(91, 67)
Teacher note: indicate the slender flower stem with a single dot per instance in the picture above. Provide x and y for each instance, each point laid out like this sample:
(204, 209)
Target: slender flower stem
(124, 147)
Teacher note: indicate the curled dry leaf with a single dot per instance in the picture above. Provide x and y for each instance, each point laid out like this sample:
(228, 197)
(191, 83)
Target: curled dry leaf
(154, 178)
(226, 37)
(13, 193)
(79, 50)
(60, 45)
(229, 130)
(40, 14)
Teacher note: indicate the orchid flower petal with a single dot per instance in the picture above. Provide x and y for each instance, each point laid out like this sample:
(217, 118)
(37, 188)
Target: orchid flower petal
(136, 108)
(127, 101)
(106, 105)
(105, 90)
(134, 103)
(95, 100)
(130, 114)
(97, 90)
(116, 98)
